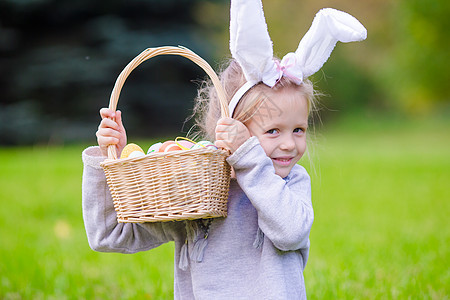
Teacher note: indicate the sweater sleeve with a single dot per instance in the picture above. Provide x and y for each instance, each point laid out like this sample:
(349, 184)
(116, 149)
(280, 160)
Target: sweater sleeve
(285, 213)
(104, 233)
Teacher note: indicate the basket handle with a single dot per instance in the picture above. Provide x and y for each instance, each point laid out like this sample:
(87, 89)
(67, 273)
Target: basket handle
(167, 50)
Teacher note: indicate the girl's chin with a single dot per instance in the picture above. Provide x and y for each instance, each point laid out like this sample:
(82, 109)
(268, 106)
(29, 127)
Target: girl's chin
(283, 172)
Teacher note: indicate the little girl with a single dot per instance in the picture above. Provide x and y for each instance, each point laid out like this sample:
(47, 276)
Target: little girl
(260, 250)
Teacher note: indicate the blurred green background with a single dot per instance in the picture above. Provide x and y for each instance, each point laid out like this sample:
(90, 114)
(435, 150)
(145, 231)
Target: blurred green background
(378, 154)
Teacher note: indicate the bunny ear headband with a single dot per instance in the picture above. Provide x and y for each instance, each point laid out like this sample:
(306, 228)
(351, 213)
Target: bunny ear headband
(251, 46)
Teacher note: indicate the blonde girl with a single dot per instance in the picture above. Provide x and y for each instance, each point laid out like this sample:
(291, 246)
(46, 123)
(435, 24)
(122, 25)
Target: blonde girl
(260, 250)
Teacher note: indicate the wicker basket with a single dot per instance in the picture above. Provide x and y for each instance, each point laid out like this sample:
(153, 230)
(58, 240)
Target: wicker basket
(178, 185)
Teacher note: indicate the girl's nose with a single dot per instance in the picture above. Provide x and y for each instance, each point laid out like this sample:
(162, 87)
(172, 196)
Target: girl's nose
(287, 143)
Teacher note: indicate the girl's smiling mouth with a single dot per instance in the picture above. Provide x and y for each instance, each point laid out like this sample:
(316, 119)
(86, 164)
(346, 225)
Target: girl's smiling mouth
(282, 161)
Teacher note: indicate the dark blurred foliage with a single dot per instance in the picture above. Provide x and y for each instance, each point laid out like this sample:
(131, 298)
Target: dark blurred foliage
(418, 67)
(401, 69)
(59, 60)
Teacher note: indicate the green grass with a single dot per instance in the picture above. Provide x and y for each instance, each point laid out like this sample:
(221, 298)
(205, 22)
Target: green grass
(381, 199)
(44, 251)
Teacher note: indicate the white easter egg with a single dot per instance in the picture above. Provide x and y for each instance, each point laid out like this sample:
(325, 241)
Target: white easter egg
(197, 146)
(212, 146)
(136, 154)
(154, 148)
(204, 144)
(128, 149)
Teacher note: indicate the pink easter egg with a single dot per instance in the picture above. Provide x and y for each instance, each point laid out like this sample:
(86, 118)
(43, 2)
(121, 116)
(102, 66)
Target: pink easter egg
(185, 144)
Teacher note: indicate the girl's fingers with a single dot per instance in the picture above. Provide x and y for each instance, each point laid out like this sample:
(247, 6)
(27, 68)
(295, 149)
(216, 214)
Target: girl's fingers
(222, 136)
(108, 123)
(111, 130)
(222, 128)
(108, 132)
(227, 126)
(115, 124)
(226, 121)
(221, 144)
(107, 113)
(104, 141)
(119, 118)
(107, 136)
(230, 134)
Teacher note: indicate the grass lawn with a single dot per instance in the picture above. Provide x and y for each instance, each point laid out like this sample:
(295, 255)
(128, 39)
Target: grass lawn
(380, 193)
(381, 199)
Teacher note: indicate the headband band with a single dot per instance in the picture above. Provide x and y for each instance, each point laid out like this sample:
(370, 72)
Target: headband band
(238, 95)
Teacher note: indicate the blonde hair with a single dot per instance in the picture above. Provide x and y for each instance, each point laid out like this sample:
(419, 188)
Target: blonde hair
(207, 107)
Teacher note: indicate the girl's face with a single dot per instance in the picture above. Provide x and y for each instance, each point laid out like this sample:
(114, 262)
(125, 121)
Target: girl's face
(280, 125)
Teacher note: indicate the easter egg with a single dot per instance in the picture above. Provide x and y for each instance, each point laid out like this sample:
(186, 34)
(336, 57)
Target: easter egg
(154, 148)
(169, 146)
(185, 145)
(172, 147)
(212, 146)
(164, 145)
(204, 144)
(130, 148)
(136, 154)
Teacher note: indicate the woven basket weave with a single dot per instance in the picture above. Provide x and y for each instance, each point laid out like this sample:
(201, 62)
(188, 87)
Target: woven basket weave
(178, 185)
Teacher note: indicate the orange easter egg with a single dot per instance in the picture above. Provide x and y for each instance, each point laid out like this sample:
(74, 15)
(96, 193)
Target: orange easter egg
(172, 147)
(169, 146)
(164, 145)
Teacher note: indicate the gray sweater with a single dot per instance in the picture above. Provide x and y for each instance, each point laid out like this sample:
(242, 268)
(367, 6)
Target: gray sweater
(258, 252)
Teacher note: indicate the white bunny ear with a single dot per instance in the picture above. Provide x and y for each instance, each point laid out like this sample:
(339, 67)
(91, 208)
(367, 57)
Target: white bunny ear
(250, 43)
(251, 46)
(329, 27)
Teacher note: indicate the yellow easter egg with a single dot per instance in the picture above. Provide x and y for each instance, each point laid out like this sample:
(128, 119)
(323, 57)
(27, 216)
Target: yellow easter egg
(130, 148)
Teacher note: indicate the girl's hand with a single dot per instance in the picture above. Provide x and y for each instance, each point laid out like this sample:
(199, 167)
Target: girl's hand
(231, 134)
(111, 131)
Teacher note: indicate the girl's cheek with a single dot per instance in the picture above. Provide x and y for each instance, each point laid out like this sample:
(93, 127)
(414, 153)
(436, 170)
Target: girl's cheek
(267, 146)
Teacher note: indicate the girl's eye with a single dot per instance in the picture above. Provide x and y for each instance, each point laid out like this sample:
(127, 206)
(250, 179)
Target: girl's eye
(299, 130)
(272, 131)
